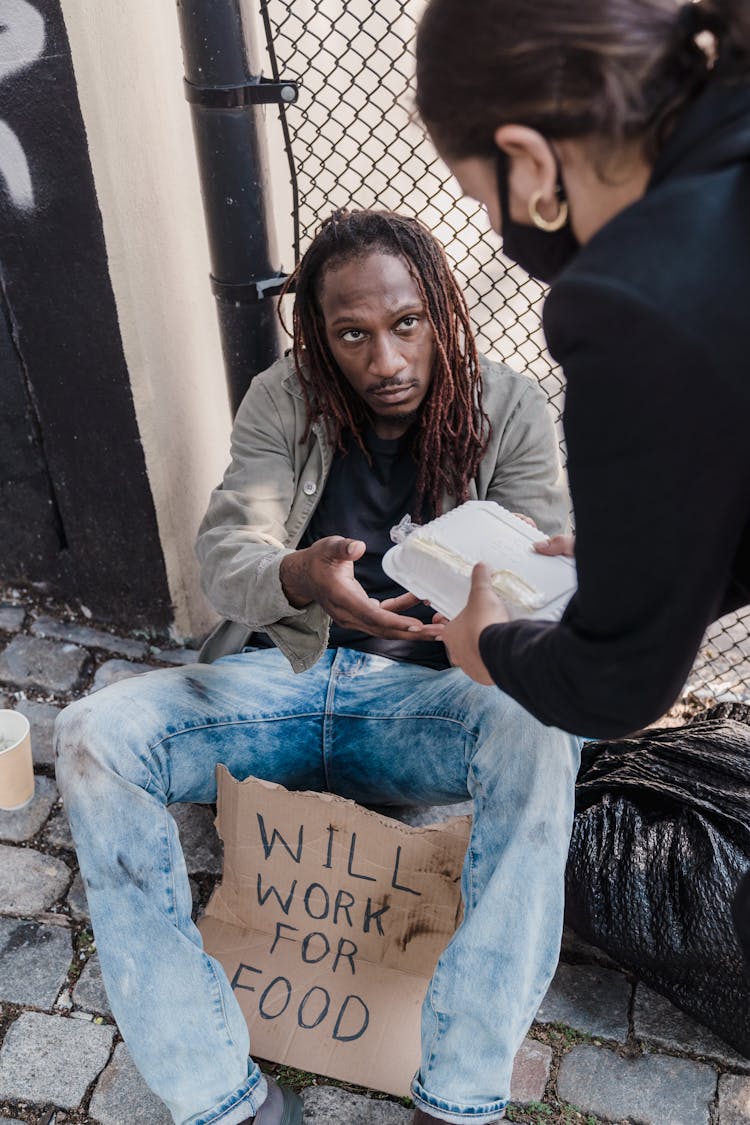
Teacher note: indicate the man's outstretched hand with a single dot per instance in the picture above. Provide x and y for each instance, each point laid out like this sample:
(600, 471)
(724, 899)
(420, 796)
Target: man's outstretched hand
(324, 573)
(461, 635)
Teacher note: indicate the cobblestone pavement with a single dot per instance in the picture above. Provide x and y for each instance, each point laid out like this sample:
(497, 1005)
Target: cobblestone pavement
(603, 1047)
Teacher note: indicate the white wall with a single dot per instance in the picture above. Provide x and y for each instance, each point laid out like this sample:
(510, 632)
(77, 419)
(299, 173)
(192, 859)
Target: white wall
(129, 71)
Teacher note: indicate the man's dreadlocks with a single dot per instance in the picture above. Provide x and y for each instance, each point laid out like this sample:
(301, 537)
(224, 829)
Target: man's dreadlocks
(452, 429)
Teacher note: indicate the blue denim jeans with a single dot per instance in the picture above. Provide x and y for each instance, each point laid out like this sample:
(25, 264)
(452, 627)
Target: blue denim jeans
(358, 725)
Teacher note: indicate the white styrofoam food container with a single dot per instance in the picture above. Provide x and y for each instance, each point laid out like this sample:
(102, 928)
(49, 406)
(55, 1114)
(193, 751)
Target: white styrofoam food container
(439, 569)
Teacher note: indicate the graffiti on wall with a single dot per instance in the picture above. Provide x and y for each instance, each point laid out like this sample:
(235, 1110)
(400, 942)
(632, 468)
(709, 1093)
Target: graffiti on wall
(22, 39)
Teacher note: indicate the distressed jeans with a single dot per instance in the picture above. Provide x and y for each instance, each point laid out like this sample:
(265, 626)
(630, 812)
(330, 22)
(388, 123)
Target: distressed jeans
(355, 724)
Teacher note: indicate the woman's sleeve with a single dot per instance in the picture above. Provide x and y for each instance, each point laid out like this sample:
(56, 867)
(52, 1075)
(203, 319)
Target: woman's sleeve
(659, 478)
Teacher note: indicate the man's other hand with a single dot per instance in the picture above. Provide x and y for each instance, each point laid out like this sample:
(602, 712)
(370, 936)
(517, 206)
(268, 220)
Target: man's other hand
(324, 573)
(557, 545)
(461, 635)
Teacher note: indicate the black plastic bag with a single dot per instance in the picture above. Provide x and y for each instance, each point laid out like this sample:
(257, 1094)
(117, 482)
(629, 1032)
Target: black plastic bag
(660, 845)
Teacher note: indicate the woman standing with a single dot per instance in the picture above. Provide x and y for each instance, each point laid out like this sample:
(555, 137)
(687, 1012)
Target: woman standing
(610, 143)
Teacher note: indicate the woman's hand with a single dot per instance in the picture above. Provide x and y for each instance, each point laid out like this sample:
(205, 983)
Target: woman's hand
(461, 635)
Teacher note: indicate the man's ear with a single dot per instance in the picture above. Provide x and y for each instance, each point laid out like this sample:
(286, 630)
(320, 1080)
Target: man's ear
(532, 168)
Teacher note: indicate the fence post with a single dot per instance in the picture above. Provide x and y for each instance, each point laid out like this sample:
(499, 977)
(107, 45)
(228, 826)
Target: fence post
(225, 98)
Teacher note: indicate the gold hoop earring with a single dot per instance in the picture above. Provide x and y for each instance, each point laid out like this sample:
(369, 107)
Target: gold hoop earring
(549, 225)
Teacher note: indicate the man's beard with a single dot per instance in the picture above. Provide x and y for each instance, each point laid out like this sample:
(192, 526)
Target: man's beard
(407, 417)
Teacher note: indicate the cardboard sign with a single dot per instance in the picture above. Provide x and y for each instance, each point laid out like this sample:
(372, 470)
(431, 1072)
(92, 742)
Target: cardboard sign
(329, 922)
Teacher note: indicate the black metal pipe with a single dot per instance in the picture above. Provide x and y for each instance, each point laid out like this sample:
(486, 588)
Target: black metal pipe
(235, 184)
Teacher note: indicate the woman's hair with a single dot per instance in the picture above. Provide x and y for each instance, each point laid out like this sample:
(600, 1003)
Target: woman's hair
(613, 70)
(452, 428)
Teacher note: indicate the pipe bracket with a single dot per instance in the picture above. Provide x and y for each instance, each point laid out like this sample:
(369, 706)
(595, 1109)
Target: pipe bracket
(263, 91)
(250, 292)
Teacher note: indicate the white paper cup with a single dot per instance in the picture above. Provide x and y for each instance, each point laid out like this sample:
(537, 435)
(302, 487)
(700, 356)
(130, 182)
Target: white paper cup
(16, 765)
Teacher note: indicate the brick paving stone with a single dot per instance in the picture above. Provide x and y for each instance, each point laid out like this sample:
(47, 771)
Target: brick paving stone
(174, 655)
(658, 1021)
(42, 719)
(26, 822)
(330, 1105)
(112, 671)
(32, 662)
(531, 1069)
(200, 840)
(11, 617)
(34, 962)
(88, 637)
(734, 1100)
(589, 999)
(122, 1097)
(651, 1090)
(57, 831)
(29, 881)
(52, 1059)
(89, 992)
(79, 907)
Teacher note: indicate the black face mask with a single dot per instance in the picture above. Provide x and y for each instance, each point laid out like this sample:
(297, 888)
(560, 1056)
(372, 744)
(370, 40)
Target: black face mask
(543, 254)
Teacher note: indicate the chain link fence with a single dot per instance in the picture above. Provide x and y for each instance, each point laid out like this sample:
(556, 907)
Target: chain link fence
(353, 143)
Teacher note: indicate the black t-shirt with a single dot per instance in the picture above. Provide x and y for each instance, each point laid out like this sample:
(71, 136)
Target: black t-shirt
(364, 501)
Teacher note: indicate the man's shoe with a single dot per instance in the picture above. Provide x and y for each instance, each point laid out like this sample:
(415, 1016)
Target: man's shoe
(422, 1118)
(281, 1107)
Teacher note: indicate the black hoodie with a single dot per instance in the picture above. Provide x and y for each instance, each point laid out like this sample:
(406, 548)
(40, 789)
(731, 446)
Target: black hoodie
(651, 324)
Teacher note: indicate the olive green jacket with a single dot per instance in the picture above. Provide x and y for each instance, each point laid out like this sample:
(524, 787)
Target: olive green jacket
(274, 482)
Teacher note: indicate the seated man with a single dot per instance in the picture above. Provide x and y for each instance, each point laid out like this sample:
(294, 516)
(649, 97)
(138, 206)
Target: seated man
(320, 678)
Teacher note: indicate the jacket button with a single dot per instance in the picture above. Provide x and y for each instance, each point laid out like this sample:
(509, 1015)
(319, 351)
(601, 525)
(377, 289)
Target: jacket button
(309, 488)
